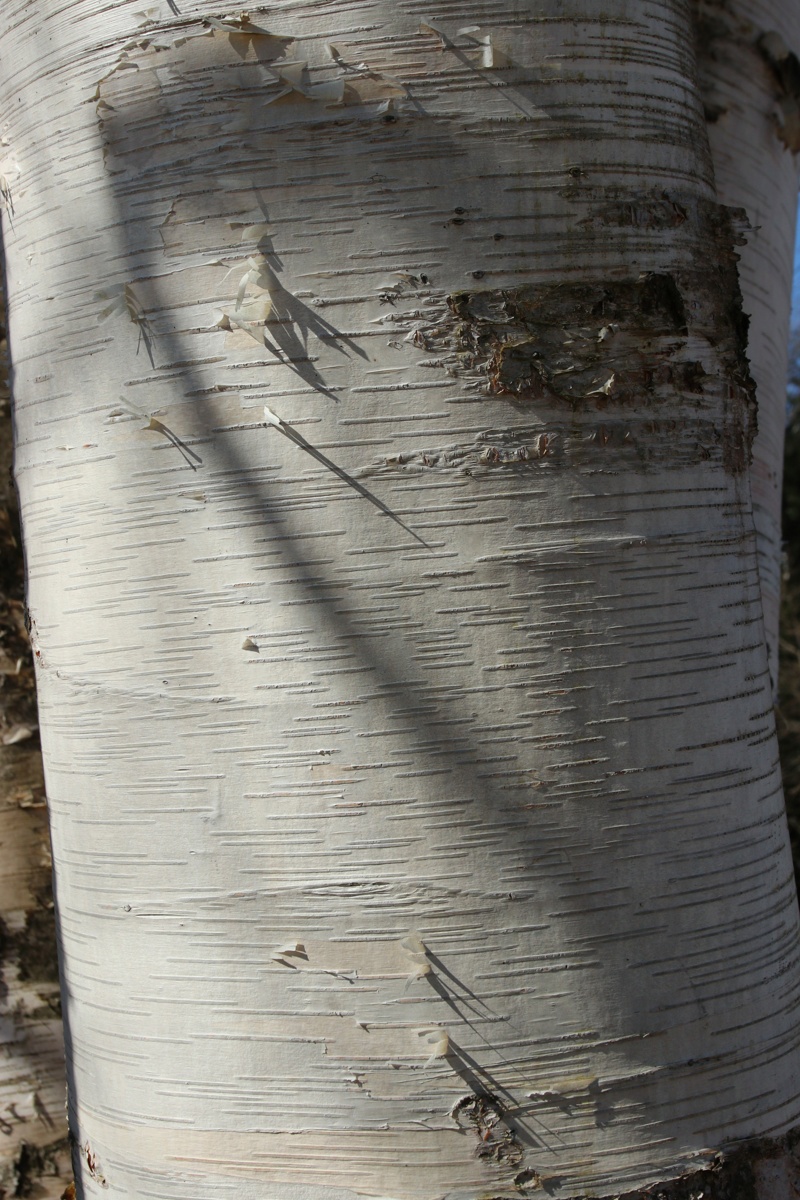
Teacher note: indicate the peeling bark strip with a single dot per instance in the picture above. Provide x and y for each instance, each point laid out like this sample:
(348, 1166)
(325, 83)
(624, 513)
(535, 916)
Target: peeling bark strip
(391, 870)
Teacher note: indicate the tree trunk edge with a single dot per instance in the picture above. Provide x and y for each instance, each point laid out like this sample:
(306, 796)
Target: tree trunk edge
(759, 1169)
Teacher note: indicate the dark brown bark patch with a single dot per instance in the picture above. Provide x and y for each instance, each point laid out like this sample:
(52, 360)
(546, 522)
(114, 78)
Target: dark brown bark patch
(578, 344)
(732, 1175)
(609, 374)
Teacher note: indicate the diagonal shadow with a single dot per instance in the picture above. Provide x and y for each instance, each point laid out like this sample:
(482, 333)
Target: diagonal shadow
(475, 1074)
(484, 1084)
(294, 436)
(463, 761)
(290, 323)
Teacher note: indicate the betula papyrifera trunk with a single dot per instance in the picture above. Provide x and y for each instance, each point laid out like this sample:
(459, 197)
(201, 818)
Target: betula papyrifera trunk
(435, 856)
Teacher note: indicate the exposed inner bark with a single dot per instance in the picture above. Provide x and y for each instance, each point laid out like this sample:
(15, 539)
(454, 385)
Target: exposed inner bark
(598, 365)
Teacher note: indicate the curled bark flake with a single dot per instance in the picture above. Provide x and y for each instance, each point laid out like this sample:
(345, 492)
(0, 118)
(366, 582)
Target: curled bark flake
(528, 1180)
(416, 951)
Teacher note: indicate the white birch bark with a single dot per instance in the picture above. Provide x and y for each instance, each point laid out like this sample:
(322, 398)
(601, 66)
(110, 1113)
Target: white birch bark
(435, 856)
(34, 1155)
(754, 129)
(33, 1145)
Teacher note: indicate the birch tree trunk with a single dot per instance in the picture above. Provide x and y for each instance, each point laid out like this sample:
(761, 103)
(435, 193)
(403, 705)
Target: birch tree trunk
(750, 82)
(415, 807)
(34, 1155)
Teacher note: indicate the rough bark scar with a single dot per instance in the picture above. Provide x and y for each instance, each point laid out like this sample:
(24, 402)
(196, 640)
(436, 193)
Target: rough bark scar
(484, 1117)
(569, 342)
(620, 368)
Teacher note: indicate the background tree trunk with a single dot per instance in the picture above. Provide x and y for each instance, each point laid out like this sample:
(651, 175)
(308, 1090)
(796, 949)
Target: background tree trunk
(441, 855)
(750, 82)
(34, 1156)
